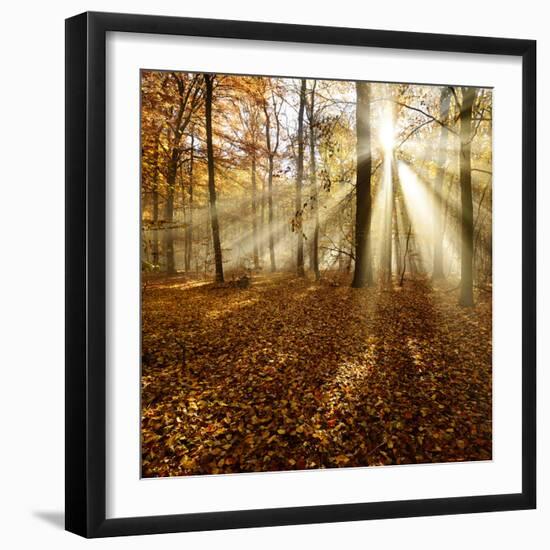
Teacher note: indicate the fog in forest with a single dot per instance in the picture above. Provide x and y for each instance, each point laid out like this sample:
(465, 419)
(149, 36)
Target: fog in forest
(275, 212)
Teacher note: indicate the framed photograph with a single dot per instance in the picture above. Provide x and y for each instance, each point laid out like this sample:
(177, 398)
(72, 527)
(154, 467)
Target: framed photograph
(300, 274)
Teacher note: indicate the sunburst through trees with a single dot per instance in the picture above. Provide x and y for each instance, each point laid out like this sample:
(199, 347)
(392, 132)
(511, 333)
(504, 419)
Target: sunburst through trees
(317, 273)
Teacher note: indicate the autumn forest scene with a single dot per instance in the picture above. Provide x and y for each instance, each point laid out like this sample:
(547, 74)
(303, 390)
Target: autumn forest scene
(316, 273)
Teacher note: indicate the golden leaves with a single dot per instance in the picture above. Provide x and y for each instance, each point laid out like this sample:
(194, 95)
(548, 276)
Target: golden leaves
(291, 374)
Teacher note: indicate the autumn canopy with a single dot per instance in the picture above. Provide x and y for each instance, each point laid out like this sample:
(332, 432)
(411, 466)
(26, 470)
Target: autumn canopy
(316, 273)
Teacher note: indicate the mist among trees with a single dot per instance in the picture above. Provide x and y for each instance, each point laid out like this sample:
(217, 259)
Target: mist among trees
(317, 273)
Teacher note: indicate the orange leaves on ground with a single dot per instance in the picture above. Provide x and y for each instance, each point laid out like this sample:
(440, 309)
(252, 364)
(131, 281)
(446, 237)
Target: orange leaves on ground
(290, 374)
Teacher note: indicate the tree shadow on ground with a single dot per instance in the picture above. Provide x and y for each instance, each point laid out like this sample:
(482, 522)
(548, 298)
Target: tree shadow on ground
(304, 375)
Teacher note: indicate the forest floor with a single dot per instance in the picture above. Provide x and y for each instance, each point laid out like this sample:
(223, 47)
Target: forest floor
(292, 374)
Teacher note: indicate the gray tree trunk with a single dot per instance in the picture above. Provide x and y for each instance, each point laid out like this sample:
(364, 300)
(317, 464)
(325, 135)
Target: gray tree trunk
(254, 213)
(363, 204)
(314, 190)
(299, 182)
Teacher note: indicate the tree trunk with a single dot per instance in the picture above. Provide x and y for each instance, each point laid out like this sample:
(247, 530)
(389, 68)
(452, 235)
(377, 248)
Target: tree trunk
(299, 182)
(271, 151)
(363, 204)
(466, 277)
(189, 228)
(155, 193)
(185, 215)
(262, 221)
(254, 214)
(396, 235)
(388, 244)
(314, 190)
(444, 104)
(169, 214)
(404, 265)
(211, 180)
(272, 263)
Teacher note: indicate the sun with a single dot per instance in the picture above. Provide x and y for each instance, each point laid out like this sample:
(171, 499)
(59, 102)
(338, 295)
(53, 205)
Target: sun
(386, 136)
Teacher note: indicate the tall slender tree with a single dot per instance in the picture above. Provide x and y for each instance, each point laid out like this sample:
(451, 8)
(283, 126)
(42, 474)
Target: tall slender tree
(254, 201)
(467, 223)
(444, 104)
(363, 204)
(313, 183)
(209, 83)
(299, 183)
(391, 186)
(272, 147)
(155, 197)
(189, 226)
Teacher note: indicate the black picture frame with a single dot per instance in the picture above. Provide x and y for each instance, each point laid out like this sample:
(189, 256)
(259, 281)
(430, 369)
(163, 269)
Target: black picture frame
(86, 274)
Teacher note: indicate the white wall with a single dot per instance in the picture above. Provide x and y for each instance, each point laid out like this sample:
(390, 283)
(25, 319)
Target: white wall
(31, 289)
